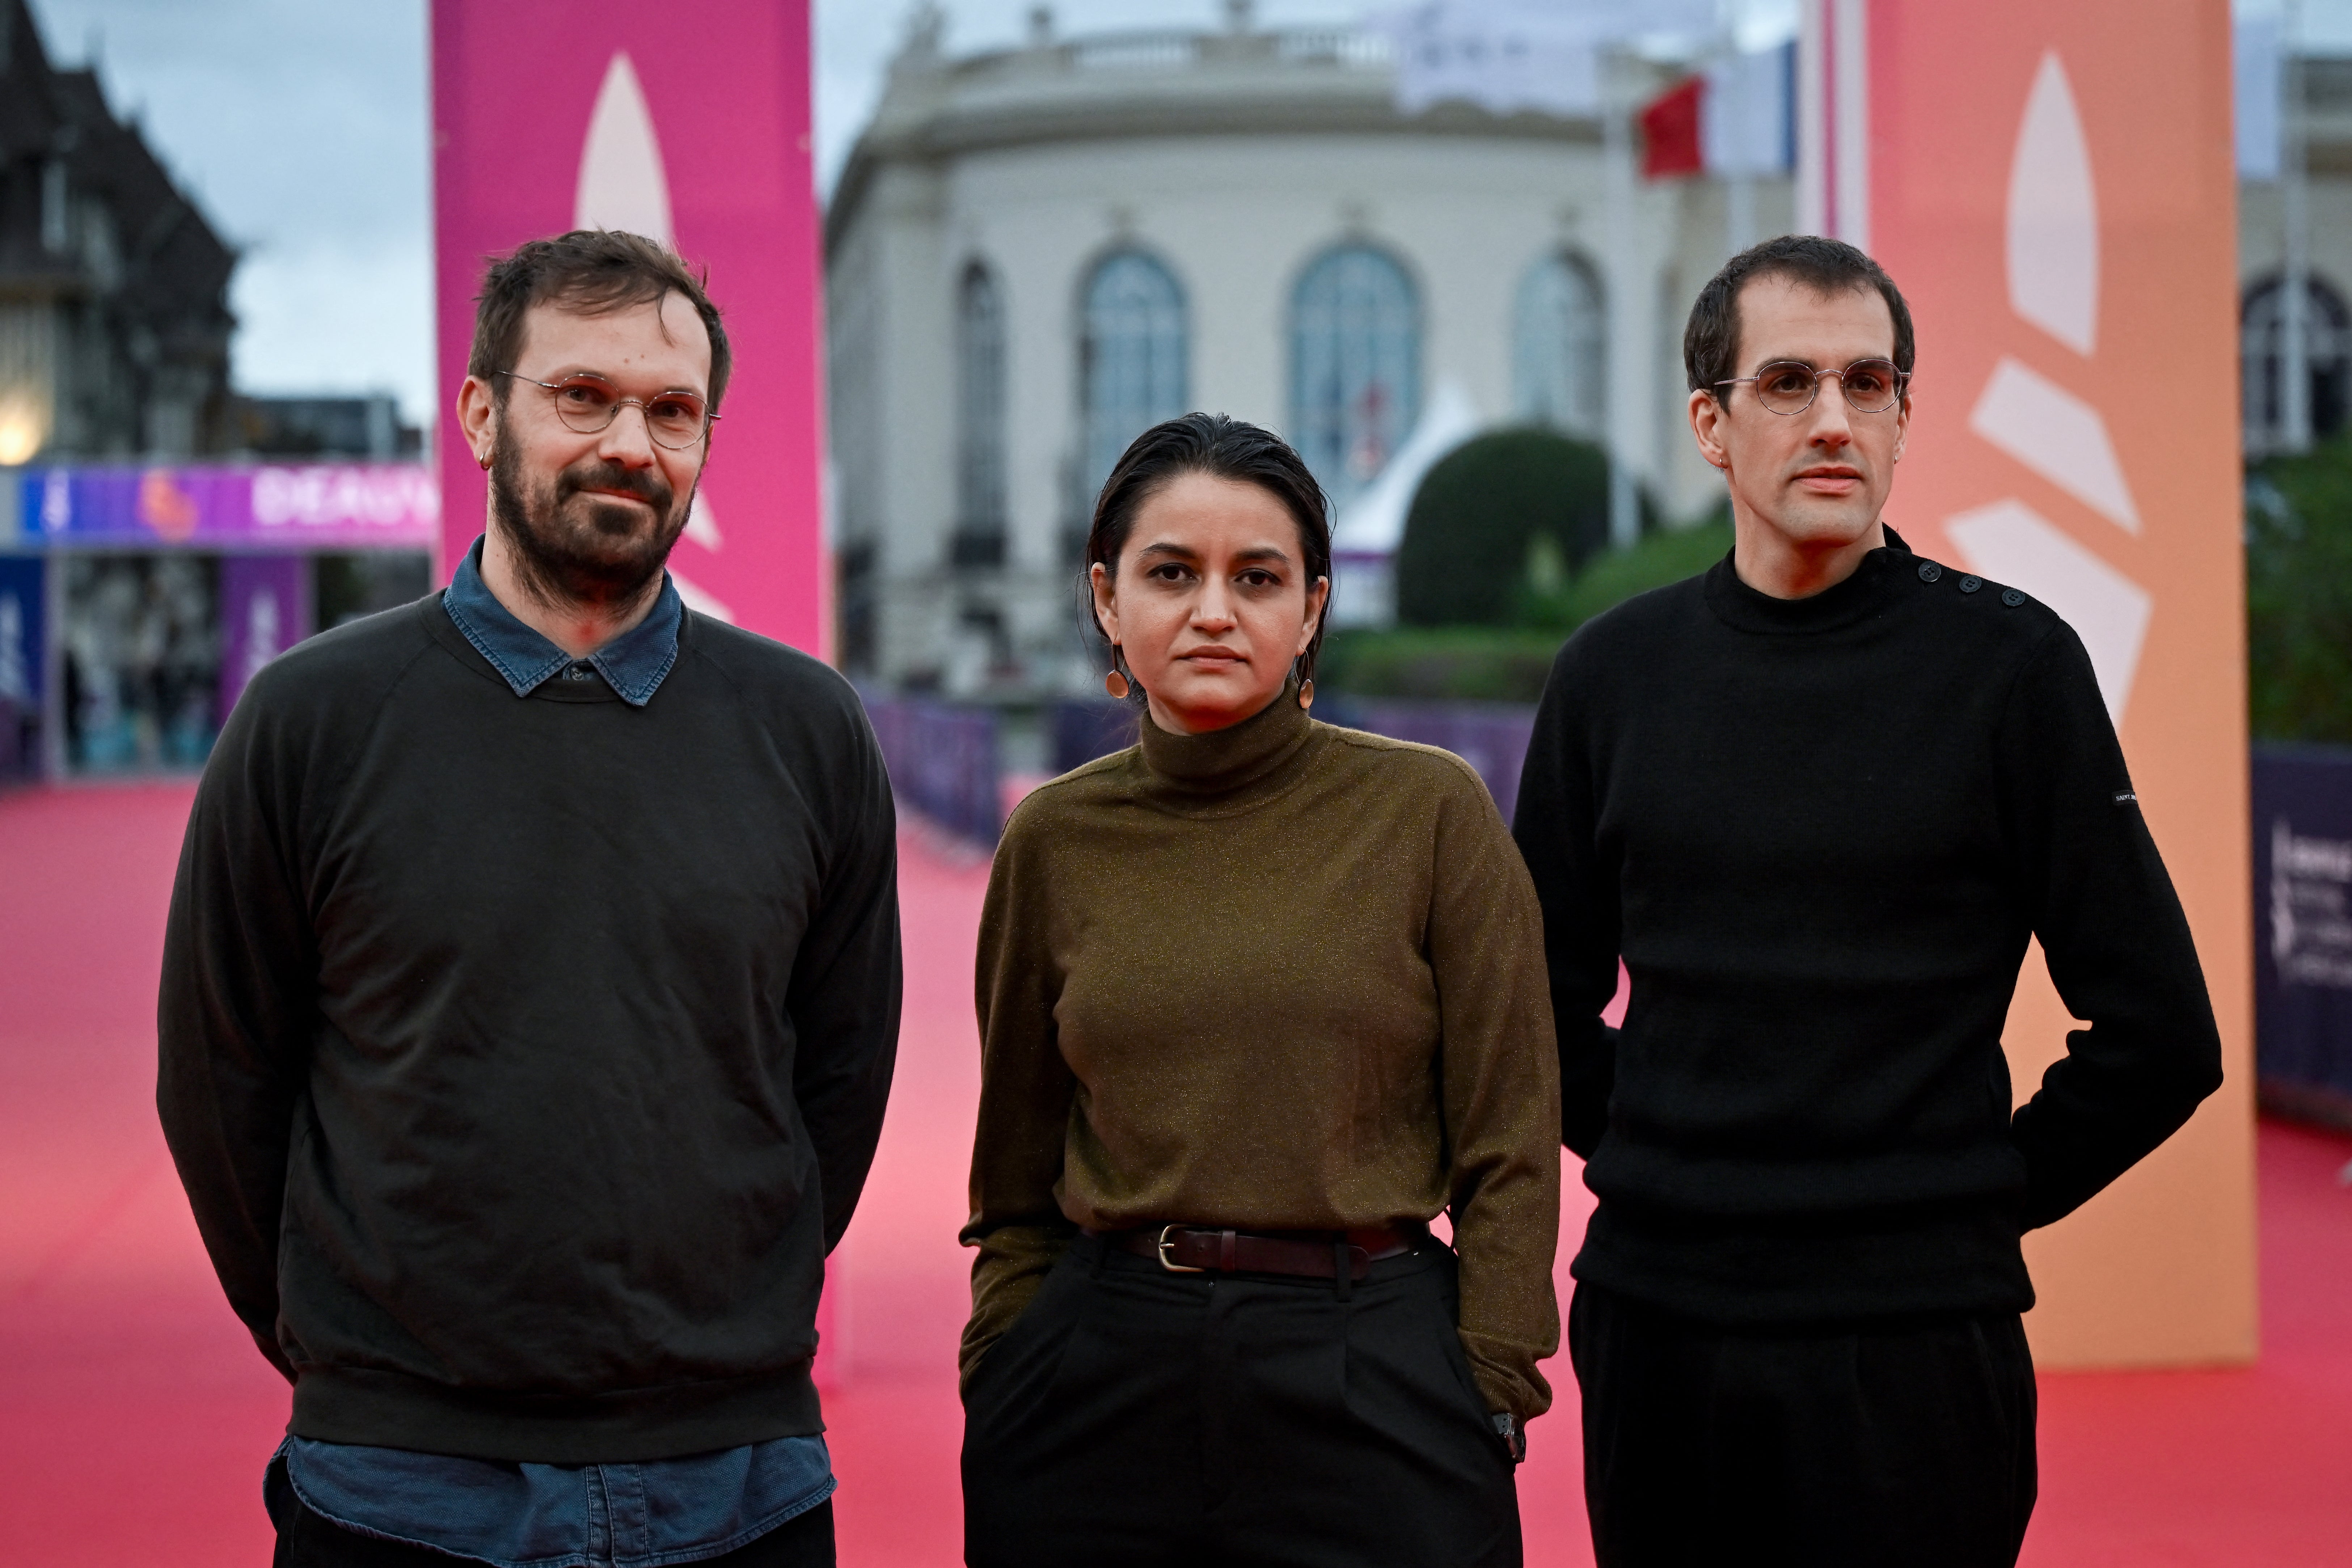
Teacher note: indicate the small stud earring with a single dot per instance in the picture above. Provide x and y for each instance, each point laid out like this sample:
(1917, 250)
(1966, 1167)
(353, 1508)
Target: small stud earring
(485, 462)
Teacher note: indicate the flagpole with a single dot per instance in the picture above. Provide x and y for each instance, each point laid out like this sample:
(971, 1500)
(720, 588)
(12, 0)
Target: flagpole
(2294, 363)
(1738, 211)
(1617, 192)
(1812, 119)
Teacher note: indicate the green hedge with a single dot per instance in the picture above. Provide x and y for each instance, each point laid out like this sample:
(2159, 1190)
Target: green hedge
(1508, 663)
(1462, 664)
(1612, 577)
(2299, 598)
(1487, 514)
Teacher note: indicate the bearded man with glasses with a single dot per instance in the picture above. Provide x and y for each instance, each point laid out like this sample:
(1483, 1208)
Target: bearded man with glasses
(1818, 800)
(530, 993)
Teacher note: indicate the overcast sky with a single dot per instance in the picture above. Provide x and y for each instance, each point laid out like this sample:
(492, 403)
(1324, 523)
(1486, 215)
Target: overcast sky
(300, 127)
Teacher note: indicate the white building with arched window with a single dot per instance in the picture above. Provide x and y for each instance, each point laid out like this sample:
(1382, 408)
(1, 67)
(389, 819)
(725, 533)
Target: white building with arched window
(1034, 254)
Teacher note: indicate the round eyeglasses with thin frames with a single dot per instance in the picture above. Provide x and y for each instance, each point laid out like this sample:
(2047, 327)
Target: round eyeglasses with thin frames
(589, 403)
(1790, 386)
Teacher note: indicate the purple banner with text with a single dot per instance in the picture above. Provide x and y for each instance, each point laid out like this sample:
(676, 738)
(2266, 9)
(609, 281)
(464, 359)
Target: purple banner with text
(321, 506)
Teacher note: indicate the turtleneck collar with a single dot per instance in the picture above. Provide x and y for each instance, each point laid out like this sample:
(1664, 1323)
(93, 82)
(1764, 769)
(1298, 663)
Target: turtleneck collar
(1842, 604)
(1227, 761)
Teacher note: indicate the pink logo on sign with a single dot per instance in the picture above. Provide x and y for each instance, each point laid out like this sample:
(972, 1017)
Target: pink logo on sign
(580, 140)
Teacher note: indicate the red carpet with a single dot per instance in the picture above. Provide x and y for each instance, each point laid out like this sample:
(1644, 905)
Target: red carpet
(134, 1416)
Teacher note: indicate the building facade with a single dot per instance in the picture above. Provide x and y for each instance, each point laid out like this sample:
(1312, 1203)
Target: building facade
(114, 319)
(2325, 125)
(1035, 254)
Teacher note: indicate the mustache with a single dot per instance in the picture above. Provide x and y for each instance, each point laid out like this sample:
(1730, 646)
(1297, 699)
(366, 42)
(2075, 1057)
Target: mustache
(645, 485)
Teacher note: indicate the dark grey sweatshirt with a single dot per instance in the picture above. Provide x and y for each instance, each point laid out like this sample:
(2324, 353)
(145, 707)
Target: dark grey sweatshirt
(523, 1057)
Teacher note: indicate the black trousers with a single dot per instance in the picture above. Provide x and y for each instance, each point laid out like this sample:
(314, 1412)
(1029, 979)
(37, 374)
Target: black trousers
(1906, 1443)
(310, 1539)
(1135, 1416)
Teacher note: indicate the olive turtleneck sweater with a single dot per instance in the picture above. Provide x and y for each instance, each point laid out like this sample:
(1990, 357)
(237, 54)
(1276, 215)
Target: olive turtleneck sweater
(1281, 976)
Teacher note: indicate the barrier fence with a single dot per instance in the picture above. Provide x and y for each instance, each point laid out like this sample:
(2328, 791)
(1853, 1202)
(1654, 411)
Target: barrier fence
(943, 762)
(20, 751)
(1492, 737)
(2303, 930)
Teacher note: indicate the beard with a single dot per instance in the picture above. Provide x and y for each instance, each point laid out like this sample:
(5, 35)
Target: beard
(571, 548)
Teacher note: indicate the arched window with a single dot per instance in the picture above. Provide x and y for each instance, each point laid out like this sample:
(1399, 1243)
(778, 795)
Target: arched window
(1559, 346)
(1355, 365)
(2327, 357)
(980, 422)
(1131, 359)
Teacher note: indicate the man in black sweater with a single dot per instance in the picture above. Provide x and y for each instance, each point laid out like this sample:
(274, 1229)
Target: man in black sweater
(1818, 799)
(530, 993)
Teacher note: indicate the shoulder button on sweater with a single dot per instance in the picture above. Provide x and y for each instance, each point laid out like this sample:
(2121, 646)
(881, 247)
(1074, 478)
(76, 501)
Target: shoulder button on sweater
(1970, 585)
(1930, 570)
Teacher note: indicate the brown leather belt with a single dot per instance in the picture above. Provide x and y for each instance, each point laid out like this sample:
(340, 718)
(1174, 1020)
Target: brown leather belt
(1312, 1254)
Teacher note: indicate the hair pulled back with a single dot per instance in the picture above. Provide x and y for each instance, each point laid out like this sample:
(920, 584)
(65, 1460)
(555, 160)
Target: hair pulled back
(1222, 447)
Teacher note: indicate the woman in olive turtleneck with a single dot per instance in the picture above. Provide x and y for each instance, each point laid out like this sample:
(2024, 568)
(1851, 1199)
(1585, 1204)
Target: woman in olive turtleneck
(1259, 998)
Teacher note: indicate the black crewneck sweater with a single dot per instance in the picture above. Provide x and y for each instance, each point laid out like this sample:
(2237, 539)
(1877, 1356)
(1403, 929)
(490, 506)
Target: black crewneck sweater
(523, 1057)
(1820, 831)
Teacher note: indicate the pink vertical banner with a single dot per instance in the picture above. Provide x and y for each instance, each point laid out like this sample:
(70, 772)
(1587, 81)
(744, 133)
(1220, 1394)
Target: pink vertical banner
(693, 130)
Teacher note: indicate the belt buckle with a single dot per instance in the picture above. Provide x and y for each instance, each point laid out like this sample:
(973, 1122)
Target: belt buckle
(1165, 1262)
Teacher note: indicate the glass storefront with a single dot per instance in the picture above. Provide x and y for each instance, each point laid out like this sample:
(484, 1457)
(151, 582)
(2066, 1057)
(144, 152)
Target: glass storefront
(136, 604)
(143, 661)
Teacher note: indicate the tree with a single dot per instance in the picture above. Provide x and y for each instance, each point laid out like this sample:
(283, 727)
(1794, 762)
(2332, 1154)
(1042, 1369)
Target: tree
(1484, 511)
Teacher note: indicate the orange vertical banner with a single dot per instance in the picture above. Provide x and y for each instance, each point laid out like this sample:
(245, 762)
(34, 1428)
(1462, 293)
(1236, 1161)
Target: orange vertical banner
(2052, 186)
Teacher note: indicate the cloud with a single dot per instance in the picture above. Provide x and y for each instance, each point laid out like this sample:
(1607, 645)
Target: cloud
(301, 130)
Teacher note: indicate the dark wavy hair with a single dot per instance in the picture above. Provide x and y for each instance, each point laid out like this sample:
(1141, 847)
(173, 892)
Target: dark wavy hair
(594, 271)
(1226, 449)
(1826, 267)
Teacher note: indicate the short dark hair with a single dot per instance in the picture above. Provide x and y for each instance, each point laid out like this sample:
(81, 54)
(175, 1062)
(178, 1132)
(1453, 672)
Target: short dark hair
(1826, 267)
(1226, 449)
(594, 271)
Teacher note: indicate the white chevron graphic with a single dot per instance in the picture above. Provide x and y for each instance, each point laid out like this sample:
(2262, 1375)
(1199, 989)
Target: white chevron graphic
(697, 599)
(623, 184)
(701, 526)
(2053, 282)
(2011, 543)
(2054, 216)
(2058, 435)
(621, 181)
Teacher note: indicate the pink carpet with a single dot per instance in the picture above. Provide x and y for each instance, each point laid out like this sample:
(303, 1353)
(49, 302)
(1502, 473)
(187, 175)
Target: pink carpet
(134, 1416)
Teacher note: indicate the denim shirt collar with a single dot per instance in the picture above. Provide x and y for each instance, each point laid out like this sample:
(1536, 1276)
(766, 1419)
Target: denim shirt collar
(632, 664)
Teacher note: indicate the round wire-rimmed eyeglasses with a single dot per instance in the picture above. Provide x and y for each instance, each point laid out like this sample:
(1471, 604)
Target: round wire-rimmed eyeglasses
(588, 403)
(1790, 386)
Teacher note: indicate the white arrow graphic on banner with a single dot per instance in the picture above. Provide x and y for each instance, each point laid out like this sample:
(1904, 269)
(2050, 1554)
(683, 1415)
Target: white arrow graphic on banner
(623, 185)
(2053, 282)
(2054, 216)
(2058, 435)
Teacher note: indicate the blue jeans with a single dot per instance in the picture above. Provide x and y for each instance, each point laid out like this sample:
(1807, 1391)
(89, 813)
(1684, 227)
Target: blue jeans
(309, 1540)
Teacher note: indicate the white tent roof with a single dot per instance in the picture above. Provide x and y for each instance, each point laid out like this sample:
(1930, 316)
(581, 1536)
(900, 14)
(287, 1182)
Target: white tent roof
(1373, 523)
